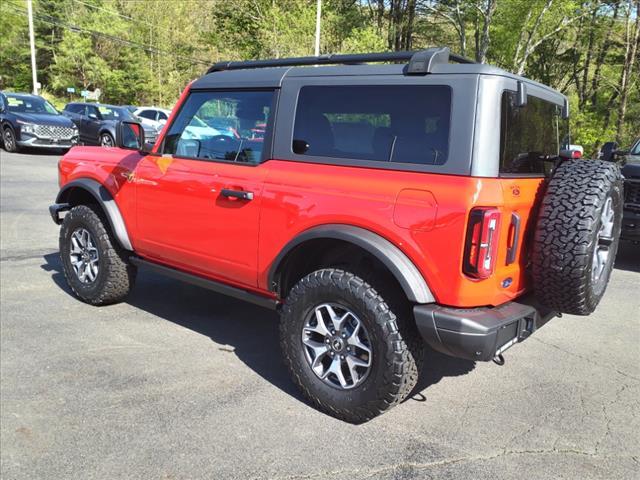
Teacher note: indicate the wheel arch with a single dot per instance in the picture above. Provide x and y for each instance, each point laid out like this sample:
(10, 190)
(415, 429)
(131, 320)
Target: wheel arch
(379, 248)
(80, 191)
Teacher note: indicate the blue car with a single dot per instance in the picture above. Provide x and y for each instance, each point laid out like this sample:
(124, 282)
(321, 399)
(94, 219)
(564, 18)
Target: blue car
(30, 121)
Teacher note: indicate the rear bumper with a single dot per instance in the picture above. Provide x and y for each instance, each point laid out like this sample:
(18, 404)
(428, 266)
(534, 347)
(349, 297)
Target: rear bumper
(480, 333)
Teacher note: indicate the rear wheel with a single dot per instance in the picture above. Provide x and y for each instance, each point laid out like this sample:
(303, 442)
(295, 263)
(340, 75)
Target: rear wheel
(106, 140)
(577, 235)
(349, 353)
(96, 268)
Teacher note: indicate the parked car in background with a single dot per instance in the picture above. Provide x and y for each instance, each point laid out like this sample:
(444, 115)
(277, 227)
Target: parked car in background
(629, 161)
(97, 122)
(30, 121)
(152, 116)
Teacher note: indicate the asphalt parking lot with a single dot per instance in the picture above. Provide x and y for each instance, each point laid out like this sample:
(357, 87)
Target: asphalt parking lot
(181, 383)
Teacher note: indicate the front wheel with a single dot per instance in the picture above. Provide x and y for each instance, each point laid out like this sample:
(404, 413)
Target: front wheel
(96, 268)
(349, 353)
(9, 141)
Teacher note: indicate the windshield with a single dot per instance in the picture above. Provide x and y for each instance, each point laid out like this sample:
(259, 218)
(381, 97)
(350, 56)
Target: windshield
(636, 149)
(113, 113)
(19, 104)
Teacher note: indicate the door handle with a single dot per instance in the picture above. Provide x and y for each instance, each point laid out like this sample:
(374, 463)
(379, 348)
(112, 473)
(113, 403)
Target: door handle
(240, 194)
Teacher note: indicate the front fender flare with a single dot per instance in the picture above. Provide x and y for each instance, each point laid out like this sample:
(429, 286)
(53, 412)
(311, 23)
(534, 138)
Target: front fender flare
(402, 268)
(106, 201)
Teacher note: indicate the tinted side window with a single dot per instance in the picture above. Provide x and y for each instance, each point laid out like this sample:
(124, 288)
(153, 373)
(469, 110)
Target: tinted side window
(162, 116)
(79, 109)
(150, 114)
(91, 110)
(190, 136)
(530, 135)
(386, 123)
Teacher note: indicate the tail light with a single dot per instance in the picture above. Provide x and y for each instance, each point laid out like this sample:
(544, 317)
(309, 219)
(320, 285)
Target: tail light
(481, 245)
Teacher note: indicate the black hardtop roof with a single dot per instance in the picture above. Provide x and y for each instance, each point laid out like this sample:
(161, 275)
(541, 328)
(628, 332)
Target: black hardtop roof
(271, 73)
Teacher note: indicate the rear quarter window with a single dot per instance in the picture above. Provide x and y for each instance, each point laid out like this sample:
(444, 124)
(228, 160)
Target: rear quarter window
(530, 135)
(387, 123)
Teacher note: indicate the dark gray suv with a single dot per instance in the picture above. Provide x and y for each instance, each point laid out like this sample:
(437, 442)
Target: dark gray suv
(97, 122)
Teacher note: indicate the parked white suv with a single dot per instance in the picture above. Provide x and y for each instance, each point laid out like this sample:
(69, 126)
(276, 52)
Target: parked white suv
(153, 116)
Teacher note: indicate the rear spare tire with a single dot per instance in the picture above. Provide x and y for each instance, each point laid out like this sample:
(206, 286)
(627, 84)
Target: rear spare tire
(577, 235)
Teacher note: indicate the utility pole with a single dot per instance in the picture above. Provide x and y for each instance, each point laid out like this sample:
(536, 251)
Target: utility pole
(33, 48)
(318, 15)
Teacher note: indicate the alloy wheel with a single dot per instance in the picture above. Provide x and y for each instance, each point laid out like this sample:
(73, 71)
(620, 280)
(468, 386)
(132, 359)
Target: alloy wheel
(106, 140)
(604, 239)
(337, 346)
(84, 256)
(8, 140)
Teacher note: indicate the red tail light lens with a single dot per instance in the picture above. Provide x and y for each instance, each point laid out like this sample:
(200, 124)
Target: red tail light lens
(481, 246)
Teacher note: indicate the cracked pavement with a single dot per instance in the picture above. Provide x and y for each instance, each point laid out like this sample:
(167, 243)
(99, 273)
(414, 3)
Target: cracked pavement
(181, 383)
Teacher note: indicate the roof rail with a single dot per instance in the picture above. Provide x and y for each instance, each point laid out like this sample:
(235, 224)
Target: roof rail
(420, 62)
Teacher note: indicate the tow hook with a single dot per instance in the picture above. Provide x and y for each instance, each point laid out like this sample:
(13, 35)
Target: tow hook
(498, 359)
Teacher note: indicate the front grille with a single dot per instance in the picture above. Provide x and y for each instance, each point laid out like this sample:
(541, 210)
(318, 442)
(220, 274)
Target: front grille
(53, 131)
(632, 191)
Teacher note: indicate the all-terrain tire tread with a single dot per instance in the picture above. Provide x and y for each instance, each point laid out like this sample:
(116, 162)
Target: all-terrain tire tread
(401, 372)
(564, 236)
(120, 273)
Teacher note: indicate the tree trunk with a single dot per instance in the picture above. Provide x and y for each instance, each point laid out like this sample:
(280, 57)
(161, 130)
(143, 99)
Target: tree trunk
(602, 54)
(632, 45)
(490, 9)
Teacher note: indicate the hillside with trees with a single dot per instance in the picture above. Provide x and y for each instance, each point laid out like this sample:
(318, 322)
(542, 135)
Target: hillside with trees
(144, 52)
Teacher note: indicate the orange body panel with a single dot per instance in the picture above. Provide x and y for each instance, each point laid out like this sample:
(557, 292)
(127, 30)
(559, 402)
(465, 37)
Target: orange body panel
(174, 214)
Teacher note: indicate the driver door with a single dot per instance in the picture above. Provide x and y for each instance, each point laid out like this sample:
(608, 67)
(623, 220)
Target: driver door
(198, 203)
(91, 121)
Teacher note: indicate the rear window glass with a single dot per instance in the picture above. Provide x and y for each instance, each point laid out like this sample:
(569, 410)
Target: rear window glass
(387, 123)
(531, 135)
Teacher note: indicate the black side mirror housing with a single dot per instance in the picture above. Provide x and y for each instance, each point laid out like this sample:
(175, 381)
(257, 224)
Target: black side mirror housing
(130, 135)
(608, 151)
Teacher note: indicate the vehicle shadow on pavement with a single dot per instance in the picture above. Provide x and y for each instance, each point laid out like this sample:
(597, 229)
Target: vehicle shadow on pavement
(248, 331)
(628, 257)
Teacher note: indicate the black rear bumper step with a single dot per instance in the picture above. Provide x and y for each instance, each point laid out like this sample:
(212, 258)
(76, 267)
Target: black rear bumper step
(209, 284)
(480, 333)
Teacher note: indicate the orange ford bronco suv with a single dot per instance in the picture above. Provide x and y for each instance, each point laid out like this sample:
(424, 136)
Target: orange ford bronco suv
(379, 202)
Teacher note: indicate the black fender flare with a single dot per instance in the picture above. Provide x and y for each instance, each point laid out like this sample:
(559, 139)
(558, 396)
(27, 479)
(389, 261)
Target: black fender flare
(402, 268)
(106, 201)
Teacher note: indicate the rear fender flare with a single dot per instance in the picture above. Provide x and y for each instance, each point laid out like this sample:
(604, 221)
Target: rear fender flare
(106, 201)
(402, 268)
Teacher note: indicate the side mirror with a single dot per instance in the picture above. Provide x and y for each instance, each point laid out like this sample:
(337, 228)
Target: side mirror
(608, 151)
(129, 135)
(93, 116)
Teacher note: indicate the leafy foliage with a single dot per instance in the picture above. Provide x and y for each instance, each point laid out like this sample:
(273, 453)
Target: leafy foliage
(146, 51)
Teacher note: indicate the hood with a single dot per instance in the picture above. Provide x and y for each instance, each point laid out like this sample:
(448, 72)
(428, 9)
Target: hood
(43, 119)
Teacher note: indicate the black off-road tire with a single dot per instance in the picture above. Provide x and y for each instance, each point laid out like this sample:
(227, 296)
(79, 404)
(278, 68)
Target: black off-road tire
(9, 141)
(397, 351)
(566, 235)
(116, 275)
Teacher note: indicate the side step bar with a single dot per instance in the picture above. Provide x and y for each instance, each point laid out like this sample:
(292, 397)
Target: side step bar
(207, 283)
